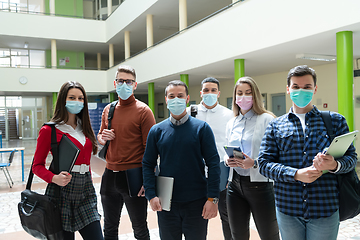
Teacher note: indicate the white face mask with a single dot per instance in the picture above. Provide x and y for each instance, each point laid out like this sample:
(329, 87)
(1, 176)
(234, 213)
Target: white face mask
(176, 105)
(210, 99)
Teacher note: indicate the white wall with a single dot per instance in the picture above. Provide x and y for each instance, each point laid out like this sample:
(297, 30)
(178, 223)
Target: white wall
(50, 80)
(212, 40)
(50, 27)
(125, 14)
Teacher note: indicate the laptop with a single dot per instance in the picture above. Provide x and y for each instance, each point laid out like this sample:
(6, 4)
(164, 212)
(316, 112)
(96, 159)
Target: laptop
(164, 191)
(341, 144)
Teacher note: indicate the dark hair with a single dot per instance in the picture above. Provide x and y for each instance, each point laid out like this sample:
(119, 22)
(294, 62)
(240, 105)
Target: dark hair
(300, 71)
(211, 80)
(61, 113)
(126, 69)
(177, 83)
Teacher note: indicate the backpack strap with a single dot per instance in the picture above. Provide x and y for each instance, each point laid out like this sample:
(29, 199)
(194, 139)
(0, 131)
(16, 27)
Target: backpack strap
(111, 112)
(55, 153)
(328, 124)
(110, 116)
(193, 110)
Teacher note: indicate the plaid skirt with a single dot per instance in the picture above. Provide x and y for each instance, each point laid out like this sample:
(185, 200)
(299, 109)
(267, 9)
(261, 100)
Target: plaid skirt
(78, 202)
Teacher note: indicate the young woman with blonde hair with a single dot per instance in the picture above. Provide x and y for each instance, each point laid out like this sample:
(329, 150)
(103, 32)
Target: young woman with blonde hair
(248, 191)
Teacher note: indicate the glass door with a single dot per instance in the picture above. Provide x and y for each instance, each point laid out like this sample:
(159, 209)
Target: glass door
(28, 121)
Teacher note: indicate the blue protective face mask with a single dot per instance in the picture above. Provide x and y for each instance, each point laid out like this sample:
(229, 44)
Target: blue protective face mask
(124, 91)
(301, 97)
(176, 105)
(210, 99)
(74, 107)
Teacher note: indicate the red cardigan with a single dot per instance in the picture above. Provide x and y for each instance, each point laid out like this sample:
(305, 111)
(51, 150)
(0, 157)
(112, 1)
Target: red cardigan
(43, 147)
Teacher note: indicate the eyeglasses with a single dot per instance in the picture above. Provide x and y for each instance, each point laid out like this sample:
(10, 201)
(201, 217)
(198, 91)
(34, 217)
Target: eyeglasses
(127, 81)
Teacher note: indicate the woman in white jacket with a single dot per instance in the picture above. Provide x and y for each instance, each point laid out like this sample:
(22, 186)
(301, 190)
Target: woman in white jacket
(248, 191)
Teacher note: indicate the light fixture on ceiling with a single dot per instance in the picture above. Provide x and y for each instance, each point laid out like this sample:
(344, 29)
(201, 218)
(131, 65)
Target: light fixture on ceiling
(326, 58)
(26, 45)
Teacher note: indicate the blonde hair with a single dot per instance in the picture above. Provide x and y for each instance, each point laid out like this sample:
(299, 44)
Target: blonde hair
(258, 106)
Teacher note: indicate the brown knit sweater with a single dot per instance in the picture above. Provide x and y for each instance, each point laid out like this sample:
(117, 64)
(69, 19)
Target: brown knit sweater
(131, 122)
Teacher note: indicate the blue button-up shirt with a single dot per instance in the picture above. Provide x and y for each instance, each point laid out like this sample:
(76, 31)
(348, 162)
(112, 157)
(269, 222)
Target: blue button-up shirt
(285, 148)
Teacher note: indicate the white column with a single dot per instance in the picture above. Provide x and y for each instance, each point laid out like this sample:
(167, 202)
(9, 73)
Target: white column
(149, 30)
(109, 7)
(99, 61)
(53, 53)
(52, 7)
(182, 15)
(111, 55)
(127, 44)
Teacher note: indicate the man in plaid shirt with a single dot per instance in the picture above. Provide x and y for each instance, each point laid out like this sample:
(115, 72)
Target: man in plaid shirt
(307, 202)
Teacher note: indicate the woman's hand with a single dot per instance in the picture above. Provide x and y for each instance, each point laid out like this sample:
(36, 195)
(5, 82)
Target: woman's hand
(247, 162)
(62, 179)
(244, 163)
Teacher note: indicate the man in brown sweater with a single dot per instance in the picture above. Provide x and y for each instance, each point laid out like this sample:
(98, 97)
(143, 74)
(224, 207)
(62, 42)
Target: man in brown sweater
(131, 122)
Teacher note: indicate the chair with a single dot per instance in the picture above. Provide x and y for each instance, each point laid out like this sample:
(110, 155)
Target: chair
(4, 166)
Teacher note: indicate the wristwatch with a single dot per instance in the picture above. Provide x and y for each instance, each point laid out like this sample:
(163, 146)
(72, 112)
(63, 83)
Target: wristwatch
(255, 163)
(213, 200)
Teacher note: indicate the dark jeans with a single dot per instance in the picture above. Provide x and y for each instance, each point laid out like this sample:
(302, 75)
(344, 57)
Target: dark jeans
(114, 193)
(89, 232)
(224, 215)
(258, 198)
(184, 218)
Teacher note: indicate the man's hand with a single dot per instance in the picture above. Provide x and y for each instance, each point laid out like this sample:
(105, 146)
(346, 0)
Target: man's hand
(62, 179)
(155, 204)
(325, 162)
(210, 210)
(107, 134)
(141, 192)
(307, 175)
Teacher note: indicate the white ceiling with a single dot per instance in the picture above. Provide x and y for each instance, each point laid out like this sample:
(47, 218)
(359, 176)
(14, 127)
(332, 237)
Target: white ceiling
(165, 19)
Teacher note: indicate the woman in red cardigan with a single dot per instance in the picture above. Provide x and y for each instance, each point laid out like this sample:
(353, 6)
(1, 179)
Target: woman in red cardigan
(78, 200)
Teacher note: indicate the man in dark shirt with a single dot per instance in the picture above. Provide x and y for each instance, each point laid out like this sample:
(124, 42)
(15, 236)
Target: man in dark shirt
(184, 144)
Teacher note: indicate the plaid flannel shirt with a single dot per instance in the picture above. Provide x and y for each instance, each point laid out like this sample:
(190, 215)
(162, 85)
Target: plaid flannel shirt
(285, 149)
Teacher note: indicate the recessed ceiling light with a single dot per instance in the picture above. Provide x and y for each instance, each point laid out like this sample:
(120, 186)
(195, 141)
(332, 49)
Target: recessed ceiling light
(326, 58)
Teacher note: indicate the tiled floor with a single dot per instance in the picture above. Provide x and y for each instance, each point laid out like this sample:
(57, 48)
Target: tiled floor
(10, 227)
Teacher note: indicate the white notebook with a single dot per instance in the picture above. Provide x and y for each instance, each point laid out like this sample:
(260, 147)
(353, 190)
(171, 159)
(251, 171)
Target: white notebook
(164, 191)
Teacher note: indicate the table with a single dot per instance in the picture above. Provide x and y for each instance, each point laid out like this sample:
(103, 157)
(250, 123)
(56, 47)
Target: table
(17, 149)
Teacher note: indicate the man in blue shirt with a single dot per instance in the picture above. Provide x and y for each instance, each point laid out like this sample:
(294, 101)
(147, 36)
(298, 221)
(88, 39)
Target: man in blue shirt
(307, 200)
(184, 144)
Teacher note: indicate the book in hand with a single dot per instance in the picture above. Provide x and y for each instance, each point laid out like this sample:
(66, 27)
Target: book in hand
(164, 191)
(230, 151)
(134, 179)
(68, 153)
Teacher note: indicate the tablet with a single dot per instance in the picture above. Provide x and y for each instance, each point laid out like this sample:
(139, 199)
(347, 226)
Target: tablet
(341, 144)
(164, 191)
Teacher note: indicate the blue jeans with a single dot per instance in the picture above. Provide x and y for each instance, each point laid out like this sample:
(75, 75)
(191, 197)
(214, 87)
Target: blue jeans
(298, 228)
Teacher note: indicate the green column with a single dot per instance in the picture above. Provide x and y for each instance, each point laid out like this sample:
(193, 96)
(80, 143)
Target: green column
(185, 78)
(151, 96)
(239, 69)
(112, 96)
(54, 98)
(345, 76)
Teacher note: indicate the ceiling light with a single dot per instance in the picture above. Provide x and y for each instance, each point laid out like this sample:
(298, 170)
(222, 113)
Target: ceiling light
(26, 45)
(326, 58)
